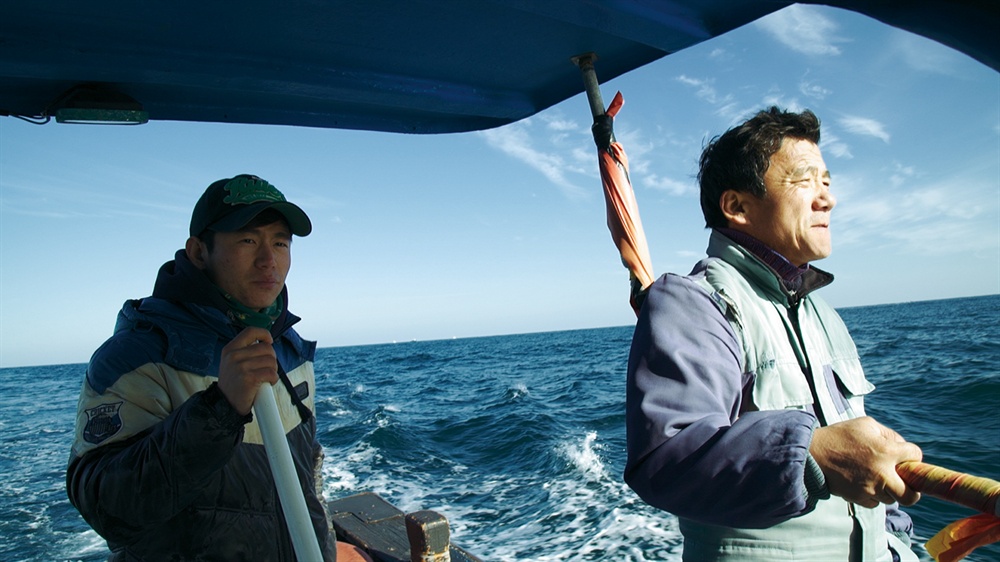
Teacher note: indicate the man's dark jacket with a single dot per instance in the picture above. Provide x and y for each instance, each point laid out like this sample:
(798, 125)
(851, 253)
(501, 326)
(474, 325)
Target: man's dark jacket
(162, 466)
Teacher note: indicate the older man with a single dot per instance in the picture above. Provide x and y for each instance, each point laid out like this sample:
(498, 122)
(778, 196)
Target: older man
(168, 462)
(745, 405)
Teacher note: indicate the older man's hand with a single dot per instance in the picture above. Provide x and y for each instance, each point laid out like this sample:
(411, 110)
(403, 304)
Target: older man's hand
(859, 459)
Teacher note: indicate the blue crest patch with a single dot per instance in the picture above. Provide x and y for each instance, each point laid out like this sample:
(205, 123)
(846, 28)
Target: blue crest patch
(102, 422)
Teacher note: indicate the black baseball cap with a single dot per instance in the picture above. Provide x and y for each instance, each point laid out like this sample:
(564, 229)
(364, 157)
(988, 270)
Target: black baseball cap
(229, 204)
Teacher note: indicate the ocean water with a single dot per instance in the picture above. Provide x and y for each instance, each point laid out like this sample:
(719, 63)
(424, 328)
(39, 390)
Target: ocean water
(520, 439)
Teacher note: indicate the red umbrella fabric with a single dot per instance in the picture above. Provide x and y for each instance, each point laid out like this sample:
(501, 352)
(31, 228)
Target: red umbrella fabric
(623, 212)
(619, 197)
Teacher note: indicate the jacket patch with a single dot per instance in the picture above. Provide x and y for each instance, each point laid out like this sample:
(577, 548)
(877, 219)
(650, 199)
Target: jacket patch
(302, 390)
(102, 422)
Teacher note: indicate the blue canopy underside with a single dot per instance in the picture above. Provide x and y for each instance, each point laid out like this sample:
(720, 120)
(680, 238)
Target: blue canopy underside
(416, 66)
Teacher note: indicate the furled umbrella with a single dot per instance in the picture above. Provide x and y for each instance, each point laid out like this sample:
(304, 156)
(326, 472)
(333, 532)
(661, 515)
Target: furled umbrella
(622, 208)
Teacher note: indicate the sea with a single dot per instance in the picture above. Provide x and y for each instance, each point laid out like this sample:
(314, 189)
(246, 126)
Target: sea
(520, 439)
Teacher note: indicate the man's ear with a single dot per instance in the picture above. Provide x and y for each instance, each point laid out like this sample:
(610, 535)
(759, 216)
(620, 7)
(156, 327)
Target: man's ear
(732, 205)
(197, 252)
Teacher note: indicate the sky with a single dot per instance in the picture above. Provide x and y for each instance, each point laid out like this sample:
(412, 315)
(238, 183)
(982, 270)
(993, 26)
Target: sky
(503, 231)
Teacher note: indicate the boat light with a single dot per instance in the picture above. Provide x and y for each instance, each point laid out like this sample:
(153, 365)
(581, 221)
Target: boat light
(97, 105)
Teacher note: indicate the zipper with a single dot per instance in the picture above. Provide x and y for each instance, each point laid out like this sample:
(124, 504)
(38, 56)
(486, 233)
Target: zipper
(793, 316)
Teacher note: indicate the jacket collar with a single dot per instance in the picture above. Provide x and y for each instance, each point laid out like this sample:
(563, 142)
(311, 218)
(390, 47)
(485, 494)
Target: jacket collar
(767, 268)
(181, 282)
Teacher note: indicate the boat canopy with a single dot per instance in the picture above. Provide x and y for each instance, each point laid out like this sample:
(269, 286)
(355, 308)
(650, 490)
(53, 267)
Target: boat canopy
(415, 66)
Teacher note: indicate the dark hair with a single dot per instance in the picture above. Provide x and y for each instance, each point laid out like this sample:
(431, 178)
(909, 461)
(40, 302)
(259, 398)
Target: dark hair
(738, 159)
(264, 218)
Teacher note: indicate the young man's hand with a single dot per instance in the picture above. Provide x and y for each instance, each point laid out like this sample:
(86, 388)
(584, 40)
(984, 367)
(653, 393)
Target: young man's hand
(247, 362)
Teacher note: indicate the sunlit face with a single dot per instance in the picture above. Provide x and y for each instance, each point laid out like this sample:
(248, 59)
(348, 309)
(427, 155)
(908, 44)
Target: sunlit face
(793, 217)
(250, 265)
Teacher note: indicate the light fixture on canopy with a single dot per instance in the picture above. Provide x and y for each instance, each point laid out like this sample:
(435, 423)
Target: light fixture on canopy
(97, 104)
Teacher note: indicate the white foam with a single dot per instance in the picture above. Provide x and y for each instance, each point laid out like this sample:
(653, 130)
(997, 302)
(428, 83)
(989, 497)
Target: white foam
(584, 457)
(588, 515)
(333, 407)
(518, 390)
(79, 546)
(584, 513)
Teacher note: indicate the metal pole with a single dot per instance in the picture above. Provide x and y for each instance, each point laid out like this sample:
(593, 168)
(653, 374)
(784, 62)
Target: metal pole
(591, 86)
(586, 64)
(293, 503)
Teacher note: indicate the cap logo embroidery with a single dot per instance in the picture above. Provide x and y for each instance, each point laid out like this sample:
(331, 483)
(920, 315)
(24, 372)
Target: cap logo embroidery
(246, 190)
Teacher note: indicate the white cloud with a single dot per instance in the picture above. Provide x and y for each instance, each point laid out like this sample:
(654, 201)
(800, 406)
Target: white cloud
(705, 89)
(669, 185)
(901, 174)
(734, 112)
(728, 107)
(635, 143)
(919, 219)
(72, 199)
(780, 101)
(583, 154)
(515, 141)
(559, 124)
(570, 153)
(864, 126)
(803, 29)
(923, 54)
(831, 144)
(813, 90)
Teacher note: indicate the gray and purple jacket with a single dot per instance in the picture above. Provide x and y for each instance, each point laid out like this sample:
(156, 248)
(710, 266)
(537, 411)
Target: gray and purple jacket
(731, 369)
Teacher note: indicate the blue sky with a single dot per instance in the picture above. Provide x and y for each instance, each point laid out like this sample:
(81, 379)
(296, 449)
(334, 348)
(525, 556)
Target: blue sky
(503, 231)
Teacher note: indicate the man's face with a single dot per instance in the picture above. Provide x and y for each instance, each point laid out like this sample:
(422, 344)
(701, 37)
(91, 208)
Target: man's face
(793, 218)
(251, 265)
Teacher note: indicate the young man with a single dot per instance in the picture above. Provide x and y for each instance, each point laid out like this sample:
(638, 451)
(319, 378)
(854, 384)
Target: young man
(168, 462)
(745, 400)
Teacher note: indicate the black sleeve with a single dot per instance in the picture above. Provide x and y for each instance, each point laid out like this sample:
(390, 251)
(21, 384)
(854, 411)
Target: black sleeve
(125, 487)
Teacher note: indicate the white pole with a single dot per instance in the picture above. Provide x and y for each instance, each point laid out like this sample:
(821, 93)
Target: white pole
(293, 503)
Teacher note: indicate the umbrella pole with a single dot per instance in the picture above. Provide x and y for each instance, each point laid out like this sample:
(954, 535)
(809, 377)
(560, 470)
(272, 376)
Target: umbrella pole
(279, 456)
(590, 84)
